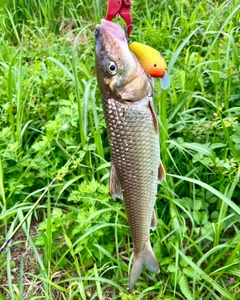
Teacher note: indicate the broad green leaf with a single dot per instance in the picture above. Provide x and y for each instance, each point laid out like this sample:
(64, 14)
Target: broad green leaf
(204, 149)
(190, 272)
(183, 284)
(197, 204)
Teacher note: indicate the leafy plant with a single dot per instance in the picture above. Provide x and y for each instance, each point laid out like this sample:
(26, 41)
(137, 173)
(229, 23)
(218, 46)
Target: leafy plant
(54, 152)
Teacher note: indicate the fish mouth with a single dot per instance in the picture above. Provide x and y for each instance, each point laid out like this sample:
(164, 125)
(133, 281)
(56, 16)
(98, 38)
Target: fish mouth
(108, 27)
(110, 40)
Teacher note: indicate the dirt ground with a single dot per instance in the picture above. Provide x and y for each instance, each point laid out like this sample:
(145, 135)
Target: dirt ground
(32, 287)
(21, 251)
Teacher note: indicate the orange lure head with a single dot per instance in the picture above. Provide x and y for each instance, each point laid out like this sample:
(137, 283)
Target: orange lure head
(152, 61)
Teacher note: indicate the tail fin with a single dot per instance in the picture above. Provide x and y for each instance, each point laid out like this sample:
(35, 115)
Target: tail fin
(148, 260)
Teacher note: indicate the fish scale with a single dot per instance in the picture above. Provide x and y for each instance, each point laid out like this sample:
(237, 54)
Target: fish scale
(135, 154)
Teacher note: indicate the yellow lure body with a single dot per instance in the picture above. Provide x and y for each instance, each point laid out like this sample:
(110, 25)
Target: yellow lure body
(152, 61)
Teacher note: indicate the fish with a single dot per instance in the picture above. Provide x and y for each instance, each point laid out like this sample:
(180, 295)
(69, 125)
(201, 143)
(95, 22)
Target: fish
(132, 126)
(152, 61)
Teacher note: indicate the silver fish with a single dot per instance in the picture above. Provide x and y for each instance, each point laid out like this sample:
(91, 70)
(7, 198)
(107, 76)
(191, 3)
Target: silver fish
(132, 129)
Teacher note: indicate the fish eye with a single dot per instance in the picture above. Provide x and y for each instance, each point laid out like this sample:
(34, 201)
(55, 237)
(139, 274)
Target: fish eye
(112, 68)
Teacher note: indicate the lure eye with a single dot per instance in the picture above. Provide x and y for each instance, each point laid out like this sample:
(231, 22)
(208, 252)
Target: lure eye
(112, 68)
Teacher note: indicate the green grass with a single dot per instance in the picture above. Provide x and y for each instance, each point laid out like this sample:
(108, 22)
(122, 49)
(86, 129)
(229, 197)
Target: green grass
(54, 154)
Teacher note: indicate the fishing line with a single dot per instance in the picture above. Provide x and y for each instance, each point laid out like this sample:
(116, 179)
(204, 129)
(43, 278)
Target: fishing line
(126, 31)
(150, 80)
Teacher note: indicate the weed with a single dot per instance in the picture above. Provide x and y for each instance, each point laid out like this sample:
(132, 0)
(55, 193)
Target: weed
(52, 126)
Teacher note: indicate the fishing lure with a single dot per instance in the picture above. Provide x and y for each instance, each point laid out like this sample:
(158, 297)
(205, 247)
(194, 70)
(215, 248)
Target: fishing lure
(152, 61)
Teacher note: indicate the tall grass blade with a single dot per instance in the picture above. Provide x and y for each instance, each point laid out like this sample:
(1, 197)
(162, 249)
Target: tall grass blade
(224, 206)
(98, 285)
(2, 192)
(207, 278)
(179, 49)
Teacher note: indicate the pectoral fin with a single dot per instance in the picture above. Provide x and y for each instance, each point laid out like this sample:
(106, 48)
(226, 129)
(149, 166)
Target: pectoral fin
(161, 172)
(115, 184)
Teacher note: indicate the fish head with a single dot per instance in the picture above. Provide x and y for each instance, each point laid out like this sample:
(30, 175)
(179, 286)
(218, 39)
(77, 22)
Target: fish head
(118, 70)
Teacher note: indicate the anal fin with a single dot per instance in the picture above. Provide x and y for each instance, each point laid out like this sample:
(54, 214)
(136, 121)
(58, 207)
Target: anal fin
(115, 184)
(153, 221)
